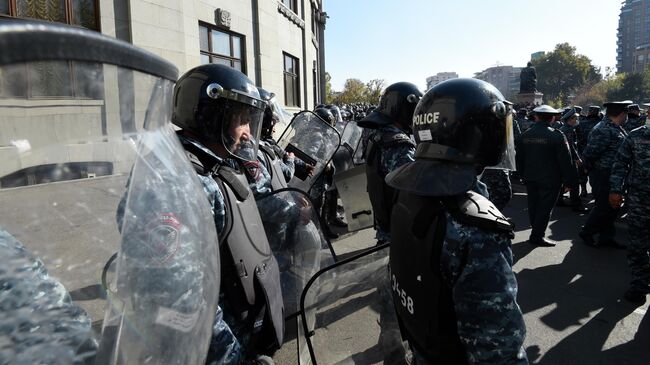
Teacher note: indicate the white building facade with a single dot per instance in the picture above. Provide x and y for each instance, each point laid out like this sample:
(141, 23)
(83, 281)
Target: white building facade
(440, 77)
(277, 43)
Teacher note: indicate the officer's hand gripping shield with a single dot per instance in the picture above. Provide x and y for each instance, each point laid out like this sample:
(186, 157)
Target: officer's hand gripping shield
(90, 165)
(312, 140)
(347, 314)
(292, 227)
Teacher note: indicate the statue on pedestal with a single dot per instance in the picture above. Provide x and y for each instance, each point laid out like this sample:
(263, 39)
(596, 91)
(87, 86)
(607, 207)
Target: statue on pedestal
(528, 80)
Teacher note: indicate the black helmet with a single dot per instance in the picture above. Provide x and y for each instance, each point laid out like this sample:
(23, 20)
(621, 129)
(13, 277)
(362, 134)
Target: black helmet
(395, 106)
(269, 119)
(326, 115)
(462, 120)
(460, 126)
(215, 102)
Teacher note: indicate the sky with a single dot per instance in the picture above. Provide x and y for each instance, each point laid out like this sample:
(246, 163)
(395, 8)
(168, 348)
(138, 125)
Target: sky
(410, 40)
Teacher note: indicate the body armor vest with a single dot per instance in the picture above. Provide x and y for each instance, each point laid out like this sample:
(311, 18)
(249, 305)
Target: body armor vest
(381, 195)
(250, 272)
(273, 161)
(423, 302)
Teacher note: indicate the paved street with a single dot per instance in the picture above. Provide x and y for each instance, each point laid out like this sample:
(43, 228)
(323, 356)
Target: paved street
(571, 295)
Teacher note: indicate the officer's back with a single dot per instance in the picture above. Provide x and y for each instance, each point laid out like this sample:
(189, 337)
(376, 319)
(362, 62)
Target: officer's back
(542, 154)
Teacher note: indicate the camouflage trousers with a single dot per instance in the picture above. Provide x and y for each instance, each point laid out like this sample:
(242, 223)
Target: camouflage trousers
(499, 187)
(638, 252)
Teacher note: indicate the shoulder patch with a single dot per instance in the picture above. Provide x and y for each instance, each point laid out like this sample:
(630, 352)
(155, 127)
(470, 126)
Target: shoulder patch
(476, 210)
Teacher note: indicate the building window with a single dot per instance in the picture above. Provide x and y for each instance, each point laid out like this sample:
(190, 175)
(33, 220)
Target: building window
(291, 4)
(82, 13)
(219, 46)
(291, 81)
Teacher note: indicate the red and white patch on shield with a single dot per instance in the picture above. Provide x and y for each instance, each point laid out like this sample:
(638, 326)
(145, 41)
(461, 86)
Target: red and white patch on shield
(253, 169)
(163, 238)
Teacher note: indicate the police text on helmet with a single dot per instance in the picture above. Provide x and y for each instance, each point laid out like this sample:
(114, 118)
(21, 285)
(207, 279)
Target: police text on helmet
(428, 118)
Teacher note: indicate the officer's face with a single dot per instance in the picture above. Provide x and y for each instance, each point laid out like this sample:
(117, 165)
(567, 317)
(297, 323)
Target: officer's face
(240, 128)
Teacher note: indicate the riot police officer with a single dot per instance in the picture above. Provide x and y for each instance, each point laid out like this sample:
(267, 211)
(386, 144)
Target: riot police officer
(544, 162)
(599, 155)
(388, 147)
(219, 111)
(451, 263)
(629, 176)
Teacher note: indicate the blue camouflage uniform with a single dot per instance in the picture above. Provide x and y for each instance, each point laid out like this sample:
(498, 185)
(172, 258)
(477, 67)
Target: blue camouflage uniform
(498, 186)
(582, 131)
(599, 155)
(490, 323)
(39, 323)
(631, 173)
(633, 122)
(392, 157)
(476, 265)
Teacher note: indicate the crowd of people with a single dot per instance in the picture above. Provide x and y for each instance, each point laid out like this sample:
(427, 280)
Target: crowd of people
(438, 175)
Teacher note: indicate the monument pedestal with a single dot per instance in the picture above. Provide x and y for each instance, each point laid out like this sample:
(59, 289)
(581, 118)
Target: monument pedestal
(535, 98)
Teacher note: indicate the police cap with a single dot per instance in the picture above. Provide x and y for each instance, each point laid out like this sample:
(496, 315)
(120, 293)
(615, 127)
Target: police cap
(545, 109)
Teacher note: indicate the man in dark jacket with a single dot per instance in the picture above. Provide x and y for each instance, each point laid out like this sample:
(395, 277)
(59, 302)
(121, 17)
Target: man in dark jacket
(544, 162)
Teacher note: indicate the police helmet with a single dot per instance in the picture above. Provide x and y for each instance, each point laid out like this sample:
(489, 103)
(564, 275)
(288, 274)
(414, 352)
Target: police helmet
(395, 106)
(220, 104)
(326, 115)
(269, 120)
(463, 121)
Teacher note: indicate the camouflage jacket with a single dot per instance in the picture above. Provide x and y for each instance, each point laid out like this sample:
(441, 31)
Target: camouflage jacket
(477, 265)
(604, 141)
(582, 131)
(631, 168)
(39, 322)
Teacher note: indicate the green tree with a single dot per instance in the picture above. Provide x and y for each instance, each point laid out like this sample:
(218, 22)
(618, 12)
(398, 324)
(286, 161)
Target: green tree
(374, 89)
(562, 73)
(634, 86)
(354, 91)
(329, 97)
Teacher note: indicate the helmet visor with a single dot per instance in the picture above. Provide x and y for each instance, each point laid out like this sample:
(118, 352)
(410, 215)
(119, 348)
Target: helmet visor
(508, 160)
(241, 128)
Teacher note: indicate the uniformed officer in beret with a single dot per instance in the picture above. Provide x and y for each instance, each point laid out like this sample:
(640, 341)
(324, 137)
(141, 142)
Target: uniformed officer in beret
(545, 164)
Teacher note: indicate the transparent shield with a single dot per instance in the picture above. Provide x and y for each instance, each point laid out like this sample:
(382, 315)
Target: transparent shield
(292, 227)
(352, 187)
(85, 146)
(344, 158)
(312, 140)
(348, 315)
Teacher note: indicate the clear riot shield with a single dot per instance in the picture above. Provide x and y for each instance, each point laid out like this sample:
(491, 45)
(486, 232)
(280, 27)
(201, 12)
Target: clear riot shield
(91, 166)
(293, 229)
(347, 314)
(351, 182)
(343, 159)
(312, 140)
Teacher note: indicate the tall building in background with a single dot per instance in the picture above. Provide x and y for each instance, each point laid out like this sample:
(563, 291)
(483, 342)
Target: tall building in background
(440, 77)
(537, 55)
(633, 36)
(504, 78)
